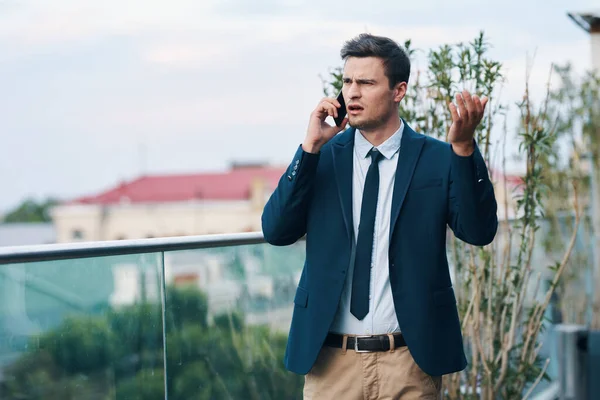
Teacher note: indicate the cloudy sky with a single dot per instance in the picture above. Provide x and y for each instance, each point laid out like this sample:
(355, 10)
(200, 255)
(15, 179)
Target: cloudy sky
(95, 92)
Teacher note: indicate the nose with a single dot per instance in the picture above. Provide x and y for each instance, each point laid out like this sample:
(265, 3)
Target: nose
(353, 91)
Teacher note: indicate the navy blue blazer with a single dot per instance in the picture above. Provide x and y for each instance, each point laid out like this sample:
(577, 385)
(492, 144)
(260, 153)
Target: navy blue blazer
(434, 188)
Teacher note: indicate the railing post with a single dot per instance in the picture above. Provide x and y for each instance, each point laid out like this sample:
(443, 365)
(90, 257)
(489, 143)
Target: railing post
(573, 366)
(594, 363)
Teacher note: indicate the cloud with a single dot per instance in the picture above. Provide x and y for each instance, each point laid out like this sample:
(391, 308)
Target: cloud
(36, 24)
(185, 55)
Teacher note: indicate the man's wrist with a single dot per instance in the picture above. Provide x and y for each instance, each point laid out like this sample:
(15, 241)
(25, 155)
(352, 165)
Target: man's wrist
(312, 148)
(463, 149)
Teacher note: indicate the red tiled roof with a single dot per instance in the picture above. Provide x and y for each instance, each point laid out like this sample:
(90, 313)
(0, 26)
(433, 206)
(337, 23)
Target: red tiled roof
(232, 185)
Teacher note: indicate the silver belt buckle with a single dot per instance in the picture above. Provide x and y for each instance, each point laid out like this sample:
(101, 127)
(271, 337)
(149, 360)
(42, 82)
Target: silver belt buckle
(356, 344)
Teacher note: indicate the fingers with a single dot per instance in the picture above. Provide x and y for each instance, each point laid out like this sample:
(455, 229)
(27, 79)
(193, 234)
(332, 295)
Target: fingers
(454, 113)
(330, 131)
(462, 108)
(478, 106)
(469, 103)
(470, 107)
(342, 125)
(327, 108)
(337, 129)
(484, 101)
(331, 100)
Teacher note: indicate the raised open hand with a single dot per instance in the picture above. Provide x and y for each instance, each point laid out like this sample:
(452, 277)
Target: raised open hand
(465, 119)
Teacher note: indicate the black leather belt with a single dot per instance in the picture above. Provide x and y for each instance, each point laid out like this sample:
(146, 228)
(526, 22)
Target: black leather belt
(363, 344)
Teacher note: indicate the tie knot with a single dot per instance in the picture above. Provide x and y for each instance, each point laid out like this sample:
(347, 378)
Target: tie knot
(376, 156)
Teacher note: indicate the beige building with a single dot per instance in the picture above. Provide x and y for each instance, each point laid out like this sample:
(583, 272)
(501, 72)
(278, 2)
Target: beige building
(170, 205)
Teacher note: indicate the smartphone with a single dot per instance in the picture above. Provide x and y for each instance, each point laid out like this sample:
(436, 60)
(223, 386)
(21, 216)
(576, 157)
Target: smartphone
(341, 111)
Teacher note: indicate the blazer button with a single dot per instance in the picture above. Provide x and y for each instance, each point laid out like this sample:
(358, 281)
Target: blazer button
(289, 177)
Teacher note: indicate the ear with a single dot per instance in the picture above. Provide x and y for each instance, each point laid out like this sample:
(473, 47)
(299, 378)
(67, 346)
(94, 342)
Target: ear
(400, 91)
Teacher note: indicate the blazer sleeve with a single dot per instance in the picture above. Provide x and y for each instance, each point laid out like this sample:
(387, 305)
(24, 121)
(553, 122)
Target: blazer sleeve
(472, 207)
(285, 213)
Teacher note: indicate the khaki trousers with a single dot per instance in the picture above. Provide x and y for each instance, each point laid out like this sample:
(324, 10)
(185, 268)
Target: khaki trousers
(347, 375)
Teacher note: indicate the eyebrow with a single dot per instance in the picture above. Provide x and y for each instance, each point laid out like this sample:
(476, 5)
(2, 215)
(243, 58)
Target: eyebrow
(363, 80)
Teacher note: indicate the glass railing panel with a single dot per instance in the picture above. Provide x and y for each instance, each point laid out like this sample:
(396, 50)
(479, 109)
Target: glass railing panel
(228, 312)
(87, 328)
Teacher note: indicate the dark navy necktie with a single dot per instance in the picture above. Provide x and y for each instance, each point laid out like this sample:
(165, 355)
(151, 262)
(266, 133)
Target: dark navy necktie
(359, 304)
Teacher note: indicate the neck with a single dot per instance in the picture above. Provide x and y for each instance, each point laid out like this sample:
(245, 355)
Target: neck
(382, 133)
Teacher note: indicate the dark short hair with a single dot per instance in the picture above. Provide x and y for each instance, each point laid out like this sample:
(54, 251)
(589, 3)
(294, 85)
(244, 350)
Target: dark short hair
(395, 60)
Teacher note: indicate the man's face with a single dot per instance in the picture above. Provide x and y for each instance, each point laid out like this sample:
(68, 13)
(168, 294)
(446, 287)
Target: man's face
(369, 99)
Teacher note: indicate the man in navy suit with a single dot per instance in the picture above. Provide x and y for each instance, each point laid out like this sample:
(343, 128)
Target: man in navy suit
(375, 312)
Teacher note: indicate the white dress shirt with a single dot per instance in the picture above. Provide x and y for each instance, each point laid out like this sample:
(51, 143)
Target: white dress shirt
(381, 317)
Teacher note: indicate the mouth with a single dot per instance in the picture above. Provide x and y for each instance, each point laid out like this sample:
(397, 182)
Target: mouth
(354, 109)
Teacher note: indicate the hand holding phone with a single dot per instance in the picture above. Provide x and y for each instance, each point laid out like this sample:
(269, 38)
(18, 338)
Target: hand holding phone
(320, 132)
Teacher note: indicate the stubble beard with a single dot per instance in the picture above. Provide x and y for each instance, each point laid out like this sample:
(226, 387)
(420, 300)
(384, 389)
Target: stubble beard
(371, 124)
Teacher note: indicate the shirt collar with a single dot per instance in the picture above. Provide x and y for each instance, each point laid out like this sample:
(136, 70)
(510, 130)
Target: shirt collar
(387, 148)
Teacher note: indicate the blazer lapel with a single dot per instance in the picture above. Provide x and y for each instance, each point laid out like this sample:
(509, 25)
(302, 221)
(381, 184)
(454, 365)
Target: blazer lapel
(343, 166)
(410, 149)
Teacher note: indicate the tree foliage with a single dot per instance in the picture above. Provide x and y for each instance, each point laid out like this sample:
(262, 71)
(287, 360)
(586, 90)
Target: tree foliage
(120, 354)
(31, 210)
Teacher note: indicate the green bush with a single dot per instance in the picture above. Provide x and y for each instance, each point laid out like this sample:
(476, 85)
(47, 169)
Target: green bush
(146, 385)
(81, 344)
(121, 355)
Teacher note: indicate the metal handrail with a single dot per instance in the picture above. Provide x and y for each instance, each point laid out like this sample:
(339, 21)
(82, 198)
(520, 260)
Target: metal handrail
(52, 252)
(552, 392)
(64, 251)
